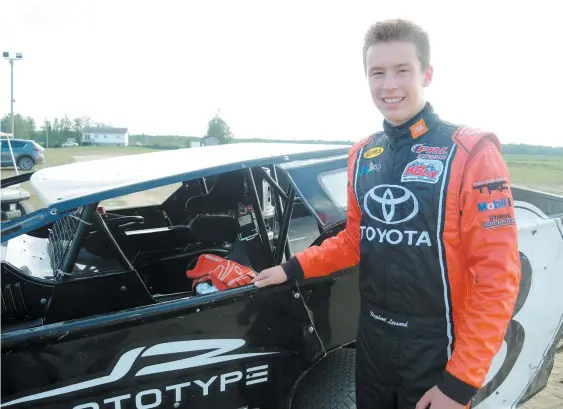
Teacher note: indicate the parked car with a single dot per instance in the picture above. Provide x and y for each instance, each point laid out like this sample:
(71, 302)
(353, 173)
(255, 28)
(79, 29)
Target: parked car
(27, 153)
(69, 144)
(98, 311)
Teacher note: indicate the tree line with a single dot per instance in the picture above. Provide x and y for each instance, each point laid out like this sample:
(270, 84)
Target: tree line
(53, 133)
(59, 130)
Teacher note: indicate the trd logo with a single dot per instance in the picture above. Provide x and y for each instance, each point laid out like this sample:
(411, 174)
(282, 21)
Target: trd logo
(495, 204)
(492, 186)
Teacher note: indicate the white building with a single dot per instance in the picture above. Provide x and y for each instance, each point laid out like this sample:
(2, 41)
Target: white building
(105, 136)
(209, 141)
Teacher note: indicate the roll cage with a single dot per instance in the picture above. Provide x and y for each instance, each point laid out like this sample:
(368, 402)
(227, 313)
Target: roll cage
(287, 185)
(71, 227)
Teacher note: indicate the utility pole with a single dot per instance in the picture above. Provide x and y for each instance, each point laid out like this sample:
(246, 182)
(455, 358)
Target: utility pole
(18, 56)
(12, 97)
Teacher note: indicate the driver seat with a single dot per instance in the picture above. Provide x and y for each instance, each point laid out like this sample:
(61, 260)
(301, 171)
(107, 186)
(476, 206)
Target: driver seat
(217, 229)
(227, 192)
(212, 218)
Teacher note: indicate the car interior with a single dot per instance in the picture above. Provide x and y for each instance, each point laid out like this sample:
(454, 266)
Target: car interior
(210, 216)
(95, 252)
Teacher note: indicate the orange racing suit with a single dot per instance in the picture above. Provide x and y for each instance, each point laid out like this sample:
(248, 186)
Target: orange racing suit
(431, 226)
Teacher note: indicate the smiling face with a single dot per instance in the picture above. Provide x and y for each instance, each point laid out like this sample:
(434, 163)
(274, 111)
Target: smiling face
(396, 79)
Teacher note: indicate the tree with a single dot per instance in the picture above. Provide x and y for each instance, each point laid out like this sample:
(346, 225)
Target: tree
(25, 127)
(219, 129)
(79, 124)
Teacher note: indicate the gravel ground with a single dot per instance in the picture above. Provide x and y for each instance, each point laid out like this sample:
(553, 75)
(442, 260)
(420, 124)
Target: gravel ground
(551, 397)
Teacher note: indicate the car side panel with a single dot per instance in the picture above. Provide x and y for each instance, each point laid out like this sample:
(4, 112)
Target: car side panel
(334, 302)
(187, 355)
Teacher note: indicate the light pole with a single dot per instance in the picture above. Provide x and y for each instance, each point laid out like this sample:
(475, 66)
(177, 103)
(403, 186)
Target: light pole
(7, 56)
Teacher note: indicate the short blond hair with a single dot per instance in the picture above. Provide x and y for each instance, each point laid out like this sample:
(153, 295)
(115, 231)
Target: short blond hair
(399, 30)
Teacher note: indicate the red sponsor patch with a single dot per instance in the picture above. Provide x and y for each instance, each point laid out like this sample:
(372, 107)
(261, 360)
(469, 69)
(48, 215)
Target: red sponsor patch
(430, 152)
(427, 171)
(418, 129)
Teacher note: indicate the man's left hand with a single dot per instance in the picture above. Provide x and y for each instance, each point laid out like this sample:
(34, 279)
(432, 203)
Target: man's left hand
(435, 399)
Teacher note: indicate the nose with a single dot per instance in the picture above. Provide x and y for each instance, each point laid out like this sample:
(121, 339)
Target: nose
(390, 82)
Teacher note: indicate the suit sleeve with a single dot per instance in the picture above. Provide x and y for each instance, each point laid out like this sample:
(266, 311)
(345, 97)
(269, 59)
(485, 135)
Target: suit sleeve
(337, 252)
(489, 238)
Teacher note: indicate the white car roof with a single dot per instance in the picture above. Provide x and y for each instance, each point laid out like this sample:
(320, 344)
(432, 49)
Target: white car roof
(80, 183)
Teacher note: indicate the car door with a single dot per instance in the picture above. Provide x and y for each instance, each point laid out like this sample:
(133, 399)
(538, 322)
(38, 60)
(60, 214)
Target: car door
(6, 158)
(7, 155)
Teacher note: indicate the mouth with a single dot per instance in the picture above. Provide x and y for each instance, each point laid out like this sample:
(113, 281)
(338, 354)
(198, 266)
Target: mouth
(392, 101)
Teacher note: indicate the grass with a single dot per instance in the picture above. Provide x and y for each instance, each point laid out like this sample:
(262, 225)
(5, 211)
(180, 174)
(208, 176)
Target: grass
(64, 156)
(535, 171)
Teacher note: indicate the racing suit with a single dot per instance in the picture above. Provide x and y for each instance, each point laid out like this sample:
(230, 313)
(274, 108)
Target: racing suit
(431, 227)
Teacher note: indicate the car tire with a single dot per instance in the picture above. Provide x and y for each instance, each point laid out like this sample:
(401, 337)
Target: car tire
(331, 384)
(25, 163)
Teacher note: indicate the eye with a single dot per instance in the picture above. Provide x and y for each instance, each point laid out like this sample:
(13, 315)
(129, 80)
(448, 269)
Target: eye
(376, 73)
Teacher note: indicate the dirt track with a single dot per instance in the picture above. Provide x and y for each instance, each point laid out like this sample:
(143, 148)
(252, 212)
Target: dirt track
(552, 396)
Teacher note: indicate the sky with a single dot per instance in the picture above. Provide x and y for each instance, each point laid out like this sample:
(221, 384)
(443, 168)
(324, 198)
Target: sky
(286, 69)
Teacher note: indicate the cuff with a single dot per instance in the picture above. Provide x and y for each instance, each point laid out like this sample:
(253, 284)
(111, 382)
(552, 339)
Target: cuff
(456, 389)
(293, 269)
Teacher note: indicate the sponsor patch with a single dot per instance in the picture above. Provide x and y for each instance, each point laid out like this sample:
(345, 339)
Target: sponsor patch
(430, 152)
(494, 204)
(373, 152)
(383, 203)
(395, 237)
(490, 185)
(418, 129)
(499, 220)
(423, 170)
(392, 205)
(364, 170)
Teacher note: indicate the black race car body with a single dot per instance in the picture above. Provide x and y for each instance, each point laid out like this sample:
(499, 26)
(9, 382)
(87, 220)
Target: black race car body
(98, 312)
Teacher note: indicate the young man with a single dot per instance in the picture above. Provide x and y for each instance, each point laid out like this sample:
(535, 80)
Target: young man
(433, 231)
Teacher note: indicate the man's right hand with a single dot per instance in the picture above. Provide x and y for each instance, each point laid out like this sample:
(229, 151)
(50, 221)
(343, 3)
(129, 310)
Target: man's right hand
(269, 276)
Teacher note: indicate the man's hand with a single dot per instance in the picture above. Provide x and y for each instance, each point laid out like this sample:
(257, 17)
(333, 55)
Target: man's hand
(435, 399)
(269, 276)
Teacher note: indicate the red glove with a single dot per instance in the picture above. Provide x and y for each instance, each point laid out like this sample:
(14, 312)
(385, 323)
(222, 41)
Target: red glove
(222, 273)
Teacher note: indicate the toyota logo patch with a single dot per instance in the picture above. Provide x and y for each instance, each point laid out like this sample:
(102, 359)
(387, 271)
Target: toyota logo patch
(381, 202)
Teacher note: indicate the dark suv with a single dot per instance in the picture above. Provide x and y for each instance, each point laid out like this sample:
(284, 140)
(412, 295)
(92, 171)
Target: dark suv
(27, 153)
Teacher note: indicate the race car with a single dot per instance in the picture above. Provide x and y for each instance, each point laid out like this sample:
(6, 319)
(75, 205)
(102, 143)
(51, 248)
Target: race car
(119, 307)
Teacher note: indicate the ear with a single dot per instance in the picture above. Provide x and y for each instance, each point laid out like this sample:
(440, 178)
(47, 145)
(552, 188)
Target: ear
(427, 76)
